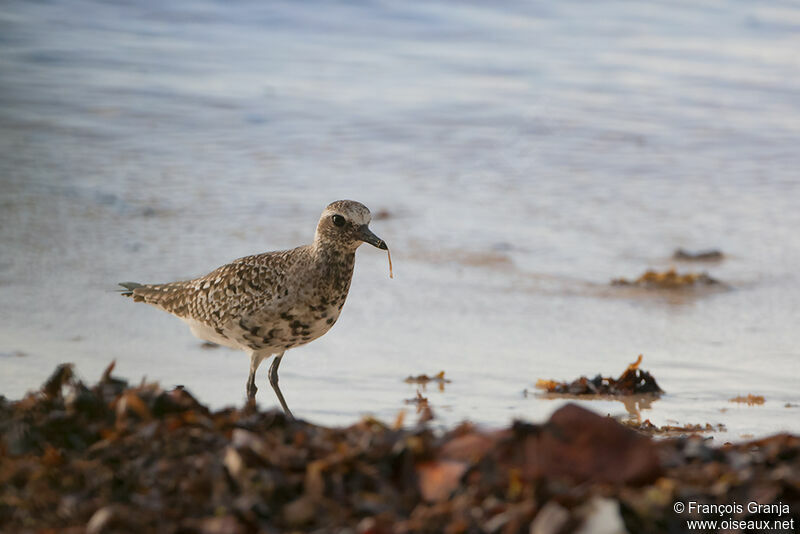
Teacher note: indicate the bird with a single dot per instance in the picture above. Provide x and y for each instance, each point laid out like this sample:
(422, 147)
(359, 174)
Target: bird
(268, 303)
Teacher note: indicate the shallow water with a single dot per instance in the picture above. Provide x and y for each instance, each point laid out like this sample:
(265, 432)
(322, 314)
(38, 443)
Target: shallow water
(526, 155)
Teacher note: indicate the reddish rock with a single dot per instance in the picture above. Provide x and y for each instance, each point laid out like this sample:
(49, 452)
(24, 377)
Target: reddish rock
(582, 446)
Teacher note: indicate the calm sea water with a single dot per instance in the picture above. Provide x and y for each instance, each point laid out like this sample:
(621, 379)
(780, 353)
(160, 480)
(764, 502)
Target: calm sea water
(525, 153)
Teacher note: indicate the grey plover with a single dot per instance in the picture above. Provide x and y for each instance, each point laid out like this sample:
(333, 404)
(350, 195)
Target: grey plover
(268, 303)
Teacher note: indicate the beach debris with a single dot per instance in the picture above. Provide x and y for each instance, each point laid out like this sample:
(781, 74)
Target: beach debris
(438, 479)
(423, 407)
(701, 255)
(633, 381)
(552, 519)
(399, 420)
(118, 458)
(669, 279)
(423, 380)
(647, 427)
(750, 399)
(54, 384)
(601, 516)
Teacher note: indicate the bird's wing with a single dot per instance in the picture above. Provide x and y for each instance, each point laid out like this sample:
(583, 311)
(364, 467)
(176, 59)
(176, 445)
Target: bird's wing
(231, 291)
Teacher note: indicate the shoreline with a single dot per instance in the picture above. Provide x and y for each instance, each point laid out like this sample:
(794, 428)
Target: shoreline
(112, 457)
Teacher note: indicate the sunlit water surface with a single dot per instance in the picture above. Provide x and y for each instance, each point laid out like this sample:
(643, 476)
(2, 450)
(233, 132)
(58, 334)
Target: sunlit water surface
(526, 154)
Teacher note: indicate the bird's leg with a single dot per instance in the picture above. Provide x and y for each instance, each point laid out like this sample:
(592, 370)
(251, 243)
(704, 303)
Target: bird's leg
(273, 380)
(252, 389)
(255, 361)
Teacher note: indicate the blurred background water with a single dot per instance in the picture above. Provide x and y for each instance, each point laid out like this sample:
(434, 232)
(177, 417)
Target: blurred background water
(523, 154)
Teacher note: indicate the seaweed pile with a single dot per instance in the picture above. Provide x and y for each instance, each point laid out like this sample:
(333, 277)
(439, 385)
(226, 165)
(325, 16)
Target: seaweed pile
(670, 279)
(116, 458)
(647, 427)
(423, 380)
(633, 381)
(750, 399)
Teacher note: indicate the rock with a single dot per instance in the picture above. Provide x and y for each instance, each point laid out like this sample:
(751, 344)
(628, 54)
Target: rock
(584, 447)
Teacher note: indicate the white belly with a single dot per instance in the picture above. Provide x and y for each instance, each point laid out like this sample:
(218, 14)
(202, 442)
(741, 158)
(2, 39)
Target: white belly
(207, 333)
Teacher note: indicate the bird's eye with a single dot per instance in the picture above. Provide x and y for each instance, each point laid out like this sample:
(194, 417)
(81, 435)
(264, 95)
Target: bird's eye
(338, 220)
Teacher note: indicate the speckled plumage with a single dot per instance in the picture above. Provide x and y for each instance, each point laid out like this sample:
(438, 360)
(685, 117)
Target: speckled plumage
(267, 303)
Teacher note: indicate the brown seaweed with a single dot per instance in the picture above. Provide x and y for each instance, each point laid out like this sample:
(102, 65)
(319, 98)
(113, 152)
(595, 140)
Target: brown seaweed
(633, 381)
(117, 458)
(423, 380)
(669, 279)
(749, 399)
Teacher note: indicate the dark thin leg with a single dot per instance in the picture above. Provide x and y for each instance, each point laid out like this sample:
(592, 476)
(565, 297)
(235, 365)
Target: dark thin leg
(251, 387)
(255, 361)
(273, 380)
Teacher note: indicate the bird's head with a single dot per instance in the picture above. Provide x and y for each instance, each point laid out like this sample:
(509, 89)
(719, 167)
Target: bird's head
(345, 225)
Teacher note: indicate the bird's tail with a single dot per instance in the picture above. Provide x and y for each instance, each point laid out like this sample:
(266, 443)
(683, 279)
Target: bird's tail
(169, 297)
(129, 287)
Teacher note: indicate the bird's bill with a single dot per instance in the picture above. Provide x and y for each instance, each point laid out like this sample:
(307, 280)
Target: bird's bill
(366, 235)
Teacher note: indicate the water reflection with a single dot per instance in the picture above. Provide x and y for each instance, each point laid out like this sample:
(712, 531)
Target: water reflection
(634, 404)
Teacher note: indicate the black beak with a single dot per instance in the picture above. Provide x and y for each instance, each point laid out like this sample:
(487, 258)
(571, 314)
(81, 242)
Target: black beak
(367, 236)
